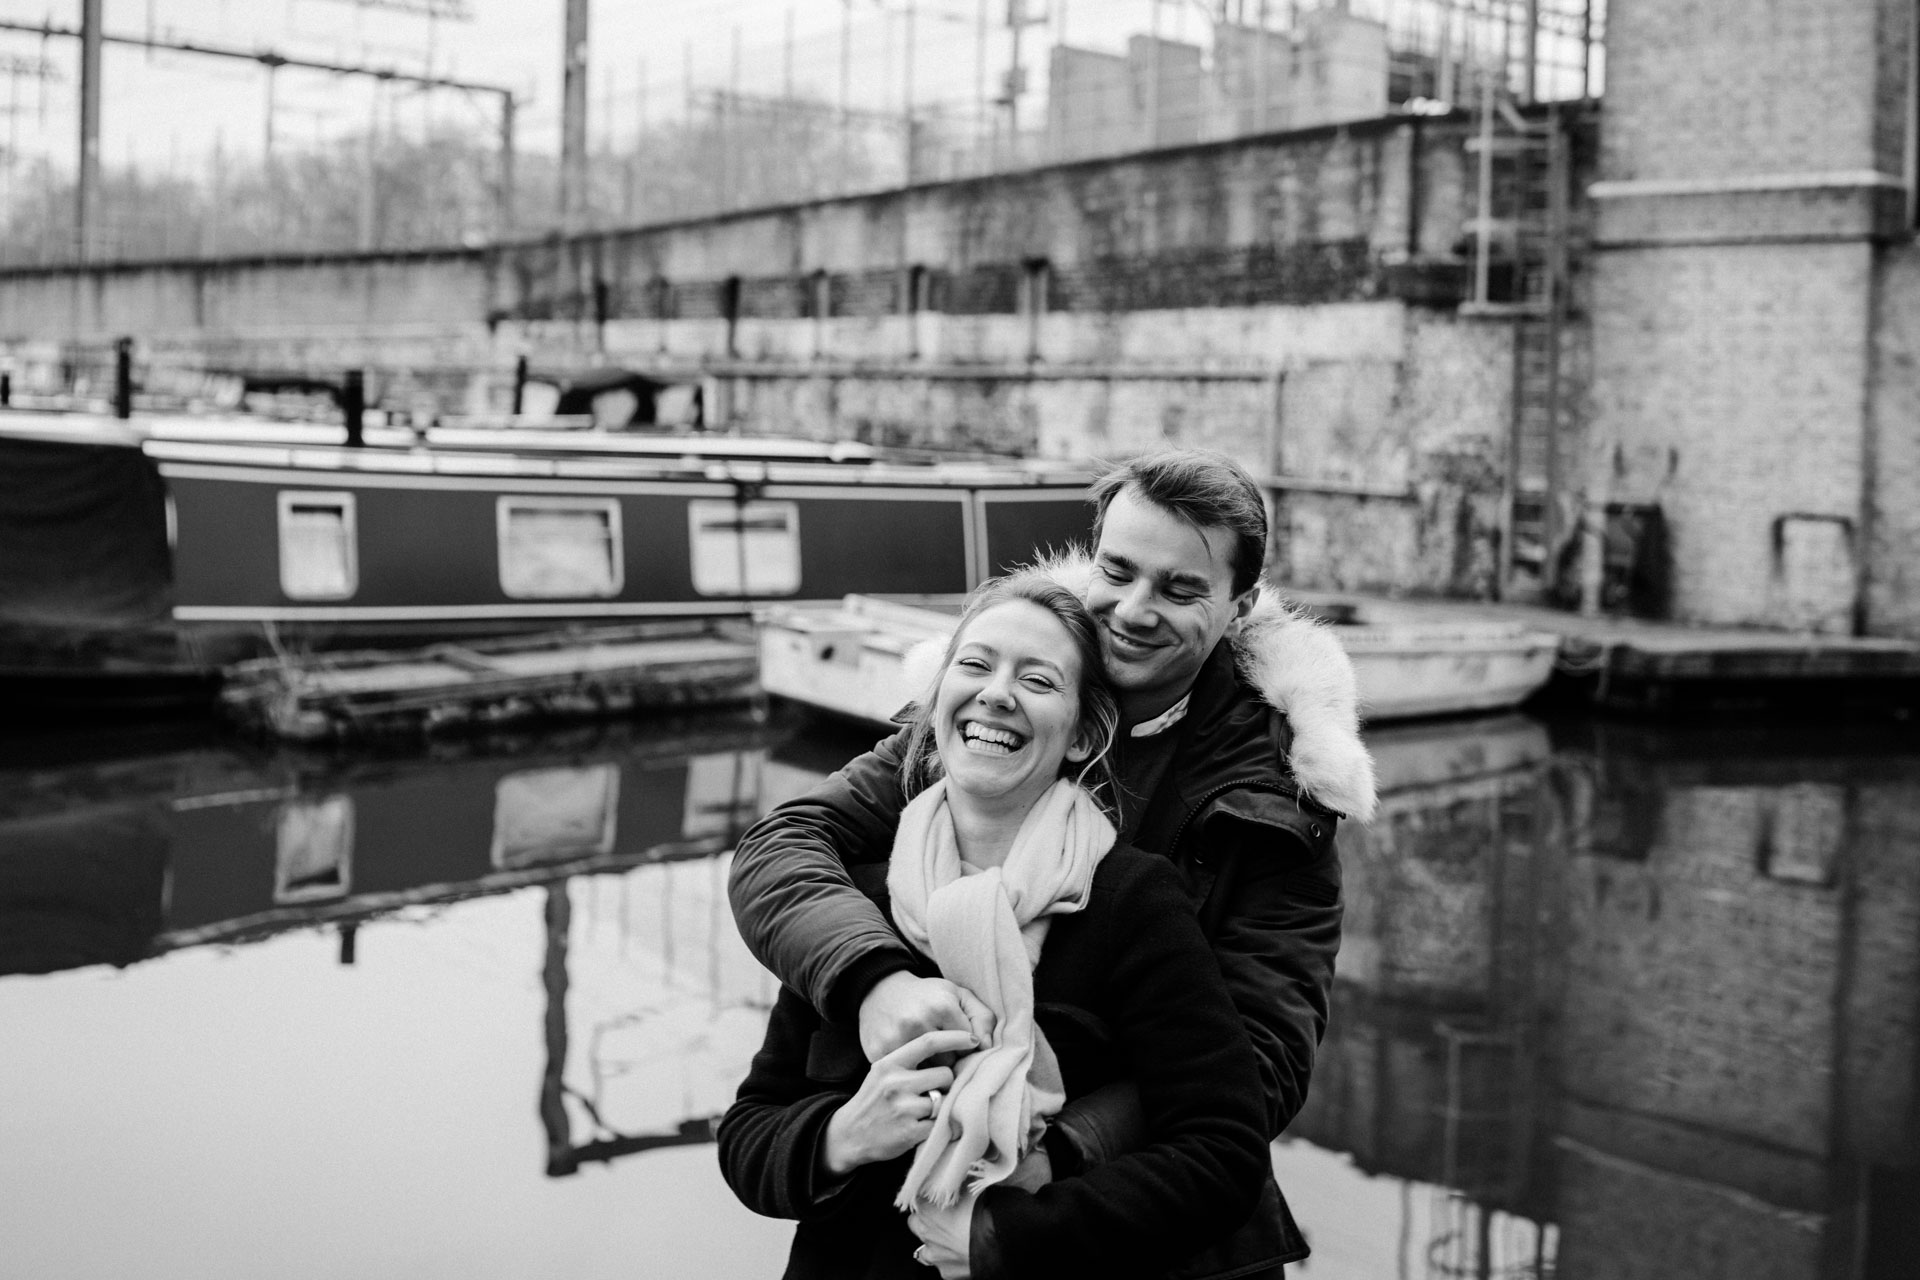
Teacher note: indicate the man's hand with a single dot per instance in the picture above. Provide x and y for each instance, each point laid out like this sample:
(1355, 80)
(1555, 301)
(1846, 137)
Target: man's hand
(902, 1007)
(944, 1236)
(892, 1111)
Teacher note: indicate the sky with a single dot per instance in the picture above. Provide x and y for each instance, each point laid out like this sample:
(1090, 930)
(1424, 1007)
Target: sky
(166, 111)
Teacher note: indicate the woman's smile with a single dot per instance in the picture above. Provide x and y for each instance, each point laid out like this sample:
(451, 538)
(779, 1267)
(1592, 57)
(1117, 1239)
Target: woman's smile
(991, 740)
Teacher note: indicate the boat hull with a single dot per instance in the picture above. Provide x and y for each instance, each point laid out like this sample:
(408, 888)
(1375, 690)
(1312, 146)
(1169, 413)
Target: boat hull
(431, 548)
(1409, 671)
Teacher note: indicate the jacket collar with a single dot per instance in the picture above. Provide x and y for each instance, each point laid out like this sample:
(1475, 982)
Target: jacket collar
(1297, 666)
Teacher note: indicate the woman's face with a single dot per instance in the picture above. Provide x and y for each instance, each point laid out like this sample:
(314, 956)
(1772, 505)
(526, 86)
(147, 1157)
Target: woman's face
(1007, 712)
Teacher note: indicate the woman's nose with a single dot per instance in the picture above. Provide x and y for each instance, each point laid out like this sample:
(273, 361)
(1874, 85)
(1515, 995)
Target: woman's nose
(998, 692)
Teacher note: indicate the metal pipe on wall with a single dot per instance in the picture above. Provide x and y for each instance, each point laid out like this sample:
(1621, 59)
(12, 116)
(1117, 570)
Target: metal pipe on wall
(87, 197)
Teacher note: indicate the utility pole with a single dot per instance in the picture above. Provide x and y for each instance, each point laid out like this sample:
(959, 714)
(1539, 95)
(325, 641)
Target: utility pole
(87, 211)
(573, 120)
(1016, 74)
(980, 71)
(907, 94)
(846, 63)
(786, 58)
(272, 80)
(505, 194)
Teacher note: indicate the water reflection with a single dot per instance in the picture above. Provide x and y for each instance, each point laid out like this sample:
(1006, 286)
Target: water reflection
(1613, 1001)
(1634, 1001)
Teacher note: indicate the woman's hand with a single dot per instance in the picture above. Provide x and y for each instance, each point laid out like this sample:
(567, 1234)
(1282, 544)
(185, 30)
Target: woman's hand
(892, 1112)
(943, 1236)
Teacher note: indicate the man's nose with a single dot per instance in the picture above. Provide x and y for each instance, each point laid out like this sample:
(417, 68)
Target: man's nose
(1134, 608)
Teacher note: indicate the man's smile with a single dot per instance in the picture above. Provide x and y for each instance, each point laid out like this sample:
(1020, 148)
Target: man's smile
(1130, 646)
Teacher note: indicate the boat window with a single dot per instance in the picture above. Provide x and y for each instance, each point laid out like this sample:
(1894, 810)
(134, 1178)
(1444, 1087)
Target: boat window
(314, 850)
(723, 794)
(543, 816)
(319, 557)
(745, 548)
(560, 548)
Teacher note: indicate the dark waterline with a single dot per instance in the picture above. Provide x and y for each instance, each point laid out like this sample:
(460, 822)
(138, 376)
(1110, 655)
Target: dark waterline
(1614, 1000)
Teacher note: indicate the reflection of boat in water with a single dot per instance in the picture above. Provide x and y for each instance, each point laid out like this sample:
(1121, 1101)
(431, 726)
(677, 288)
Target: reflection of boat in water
(113, 861)
(653, 1005)
(135, 557)
(846, 658)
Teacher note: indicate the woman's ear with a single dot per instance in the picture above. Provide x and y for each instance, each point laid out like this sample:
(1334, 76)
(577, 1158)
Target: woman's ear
(1082, 746)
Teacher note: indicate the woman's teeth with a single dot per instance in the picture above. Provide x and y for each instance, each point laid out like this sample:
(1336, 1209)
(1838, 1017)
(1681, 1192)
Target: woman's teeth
(991, 741)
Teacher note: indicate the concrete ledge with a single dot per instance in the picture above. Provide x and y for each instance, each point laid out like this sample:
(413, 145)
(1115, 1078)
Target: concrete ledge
(1753, 209)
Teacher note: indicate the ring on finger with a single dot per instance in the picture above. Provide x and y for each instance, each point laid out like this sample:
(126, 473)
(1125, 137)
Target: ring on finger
(933, 1097)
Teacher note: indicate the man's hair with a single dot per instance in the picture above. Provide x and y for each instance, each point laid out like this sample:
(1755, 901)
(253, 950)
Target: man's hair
(1207, 490)
(1099, 711)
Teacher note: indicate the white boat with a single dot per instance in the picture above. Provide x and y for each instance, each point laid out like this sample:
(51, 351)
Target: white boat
(847, 658)
(1409, 669)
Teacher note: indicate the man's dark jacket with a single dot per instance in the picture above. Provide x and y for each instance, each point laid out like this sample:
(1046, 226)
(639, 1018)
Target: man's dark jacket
(1255, 851)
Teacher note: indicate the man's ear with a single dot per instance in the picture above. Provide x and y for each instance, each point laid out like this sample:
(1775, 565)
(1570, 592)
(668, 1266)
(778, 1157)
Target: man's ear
(1244, 604)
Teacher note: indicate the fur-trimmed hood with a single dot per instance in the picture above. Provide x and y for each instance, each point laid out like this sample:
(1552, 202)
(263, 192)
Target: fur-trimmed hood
(1300, 668)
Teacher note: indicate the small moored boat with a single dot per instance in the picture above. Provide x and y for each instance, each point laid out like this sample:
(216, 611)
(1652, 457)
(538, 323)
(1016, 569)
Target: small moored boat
(846, 658)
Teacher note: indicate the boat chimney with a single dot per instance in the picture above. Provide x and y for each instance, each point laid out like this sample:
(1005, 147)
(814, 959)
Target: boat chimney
(123, 378)
(353, 404)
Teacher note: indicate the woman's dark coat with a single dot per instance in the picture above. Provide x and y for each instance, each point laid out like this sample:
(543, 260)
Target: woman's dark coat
(1127, 988)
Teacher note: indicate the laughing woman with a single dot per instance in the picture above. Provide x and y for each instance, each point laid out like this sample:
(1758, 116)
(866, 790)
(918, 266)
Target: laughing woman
(1006, 879)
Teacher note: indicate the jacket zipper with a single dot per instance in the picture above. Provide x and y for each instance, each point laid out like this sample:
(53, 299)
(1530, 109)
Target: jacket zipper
(1208, 797)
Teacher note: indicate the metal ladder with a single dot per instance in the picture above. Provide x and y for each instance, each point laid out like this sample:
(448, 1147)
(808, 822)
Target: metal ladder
(1519, 236)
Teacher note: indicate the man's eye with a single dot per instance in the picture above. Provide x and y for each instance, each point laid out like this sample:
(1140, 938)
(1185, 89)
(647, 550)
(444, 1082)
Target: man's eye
(1110, 573)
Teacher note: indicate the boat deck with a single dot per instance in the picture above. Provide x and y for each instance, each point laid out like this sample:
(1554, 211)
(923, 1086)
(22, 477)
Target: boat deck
(446, 686)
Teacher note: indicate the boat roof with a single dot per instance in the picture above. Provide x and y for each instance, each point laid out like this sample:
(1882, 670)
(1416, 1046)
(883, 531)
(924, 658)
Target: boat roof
(530, 452)
(342, 462)
(68, 428)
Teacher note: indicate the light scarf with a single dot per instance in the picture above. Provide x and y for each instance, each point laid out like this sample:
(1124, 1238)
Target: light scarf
(984, 928)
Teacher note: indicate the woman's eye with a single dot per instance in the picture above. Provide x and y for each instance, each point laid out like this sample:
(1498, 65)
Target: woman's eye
(1042, 684)
(970, 664)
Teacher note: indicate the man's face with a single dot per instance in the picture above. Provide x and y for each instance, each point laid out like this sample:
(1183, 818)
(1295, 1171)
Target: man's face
(1162, 592)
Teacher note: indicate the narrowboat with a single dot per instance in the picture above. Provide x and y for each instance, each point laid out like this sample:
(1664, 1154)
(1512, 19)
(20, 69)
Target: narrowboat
(141, 556)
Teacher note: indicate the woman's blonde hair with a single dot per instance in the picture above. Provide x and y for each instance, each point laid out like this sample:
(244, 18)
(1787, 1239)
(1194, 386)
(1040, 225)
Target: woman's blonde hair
(1099, 711)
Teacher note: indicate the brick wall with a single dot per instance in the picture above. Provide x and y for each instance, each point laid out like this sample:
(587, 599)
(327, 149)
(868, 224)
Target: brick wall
(1730, 384)
(1893, 482)
(1753, 297)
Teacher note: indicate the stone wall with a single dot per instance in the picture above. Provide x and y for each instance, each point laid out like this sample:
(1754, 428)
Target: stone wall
(1290, 299)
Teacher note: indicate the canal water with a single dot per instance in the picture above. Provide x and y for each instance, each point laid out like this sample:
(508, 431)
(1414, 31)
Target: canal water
(1615, 1000)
